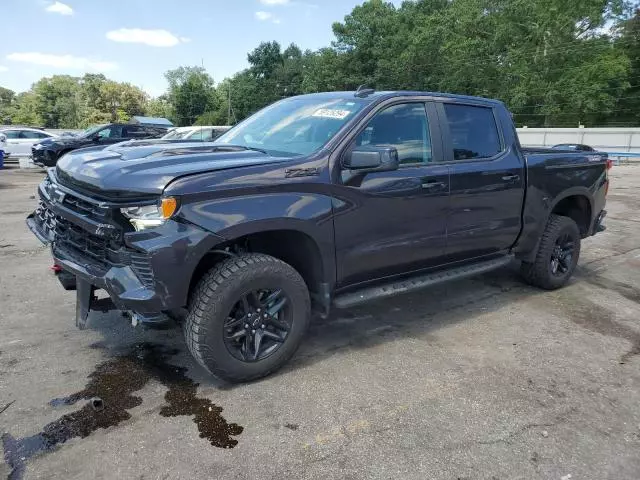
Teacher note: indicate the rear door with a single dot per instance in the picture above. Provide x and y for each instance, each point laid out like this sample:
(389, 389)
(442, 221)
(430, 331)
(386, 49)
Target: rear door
(387, 223)
(28, 138)
(487, 181)
(133, 132)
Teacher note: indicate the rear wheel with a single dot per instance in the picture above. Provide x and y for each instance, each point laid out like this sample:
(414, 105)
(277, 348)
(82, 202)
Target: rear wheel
(557, 255)
(247, 317)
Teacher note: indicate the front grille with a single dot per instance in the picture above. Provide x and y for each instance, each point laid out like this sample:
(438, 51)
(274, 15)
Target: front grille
(45, 219)
(82, 207)
(70, 236)
(38, 154)
(85, 247)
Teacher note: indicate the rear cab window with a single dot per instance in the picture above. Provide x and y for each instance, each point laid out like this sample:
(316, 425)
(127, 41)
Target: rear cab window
(474, 133)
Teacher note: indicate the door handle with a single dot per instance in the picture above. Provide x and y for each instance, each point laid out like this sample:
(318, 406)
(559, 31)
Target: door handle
(433, 185)
(511, 178)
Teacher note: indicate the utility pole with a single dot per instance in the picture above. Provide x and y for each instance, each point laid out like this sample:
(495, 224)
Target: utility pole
(229, 109)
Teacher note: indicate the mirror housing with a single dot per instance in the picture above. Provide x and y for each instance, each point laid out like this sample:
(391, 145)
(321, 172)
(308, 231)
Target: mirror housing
(367, 158)
(95, 137)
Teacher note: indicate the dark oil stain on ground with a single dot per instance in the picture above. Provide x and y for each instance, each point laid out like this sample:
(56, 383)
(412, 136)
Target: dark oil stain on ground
(627, 291)
(598, 319)
(115, 382)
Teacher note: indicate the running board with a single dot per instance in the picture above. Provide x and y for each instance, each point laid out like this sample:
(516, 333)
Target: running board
(418, 282)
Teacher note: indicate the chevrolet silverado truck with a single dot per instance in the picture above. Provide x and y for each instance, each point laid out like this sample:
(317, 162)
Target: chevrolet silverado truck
(329, 199)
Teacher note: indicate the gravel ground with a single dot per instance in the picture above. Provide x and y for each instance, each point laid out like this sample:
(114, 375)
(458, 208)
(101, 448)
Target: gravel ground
(479, 379)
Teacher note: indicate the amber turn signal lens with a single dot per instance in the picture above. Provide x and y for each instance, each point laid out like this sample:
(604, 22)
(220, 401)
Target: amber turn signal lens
(168, 207)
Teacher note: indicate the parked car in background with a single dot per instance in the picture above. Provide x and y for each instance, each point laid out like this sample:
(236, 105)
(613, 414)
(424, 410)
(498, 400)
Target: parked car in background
(47, 152)
(202, 133)
(576, 147)
(17, 141)
(175, 135)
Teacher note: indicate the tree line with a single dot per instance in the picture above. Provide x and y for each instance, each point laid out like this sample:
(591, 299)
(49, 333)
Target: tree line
(553, 62)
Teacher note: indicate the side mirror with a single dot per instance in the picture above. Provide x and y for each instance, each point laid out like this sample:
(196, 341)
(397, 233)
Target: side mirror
(95, 137)
(371, 159)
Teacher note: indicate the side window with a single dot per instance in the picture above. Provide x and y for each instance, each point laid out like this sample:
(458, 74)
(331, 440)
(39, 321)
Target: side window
(132, 131)
(28, 134)
(104, 133)
(208, 135)
(474, 133)
(404, 127)
(115, 131)
(41, 135)
(14, 134)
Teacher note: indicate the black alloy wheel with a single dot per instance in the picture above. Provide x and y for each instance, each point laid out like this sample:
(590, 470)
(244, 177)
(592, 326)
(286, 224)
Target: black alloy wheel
(557, 254)
(258, 325)
(562, 255)
(247, 316)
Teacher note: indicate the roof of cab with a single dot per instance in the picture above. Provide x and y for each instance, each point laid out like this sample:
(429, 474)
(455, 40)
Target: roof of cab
(384, 95)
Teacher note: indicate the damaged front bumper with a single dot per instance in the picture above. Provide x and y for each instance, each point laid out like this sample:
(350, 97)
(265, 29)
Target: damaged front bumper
(144, 273)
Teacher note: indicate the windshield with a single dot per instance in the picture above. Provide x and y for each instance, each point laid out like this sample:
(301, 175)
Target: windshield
(295, 126)
(91, 130)
(175, 134)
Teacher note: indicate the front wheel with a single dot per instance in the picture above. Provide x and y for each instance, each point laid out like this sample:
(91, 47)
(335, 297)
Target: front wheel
(247, 317)
(557, 255)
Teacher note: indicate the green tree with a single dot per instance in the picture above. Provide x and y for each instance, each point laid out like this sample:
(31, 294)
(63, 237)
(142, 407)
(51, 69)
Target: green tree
(158, 107)
(110, 98)
(265, 59)
(628, 104)
(91, 84)
(23, 111)
(58, 101)
(191, 93)
(6, 102)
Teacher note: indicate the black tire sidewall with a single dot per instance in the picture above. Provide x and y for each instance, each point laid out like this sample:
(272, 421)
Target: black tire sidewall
(213, 353)
(567, 226)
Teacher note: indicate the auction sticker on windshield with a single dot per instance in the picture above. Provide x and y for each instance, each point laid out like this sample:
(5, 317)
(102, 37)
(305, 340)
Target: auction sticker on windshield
(331, 113)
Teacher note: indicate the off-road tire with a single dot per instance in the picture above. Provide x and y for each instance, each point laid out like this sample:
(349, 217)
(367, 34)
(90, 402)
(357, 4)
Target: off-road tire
(214, 297)
(538, 273)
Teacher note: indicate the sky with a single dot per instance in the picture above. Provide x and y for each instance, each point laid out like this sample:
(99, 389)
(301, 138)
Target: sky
(138, 40)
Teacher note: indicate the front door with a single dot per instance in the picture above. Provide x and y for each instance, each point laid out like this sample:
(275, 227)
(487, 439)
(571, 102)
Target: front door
(388, 223)
(16, 145)
(487, 182)
(110, 135)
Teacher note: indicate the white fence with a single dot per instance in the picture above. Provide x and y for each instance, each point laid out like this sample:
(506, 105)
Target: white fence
(611, 140)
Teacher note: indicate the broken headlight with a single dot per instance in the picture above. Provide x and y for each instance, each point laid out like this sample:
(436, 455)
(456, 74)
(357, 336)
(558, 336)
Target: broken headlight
(149, 216)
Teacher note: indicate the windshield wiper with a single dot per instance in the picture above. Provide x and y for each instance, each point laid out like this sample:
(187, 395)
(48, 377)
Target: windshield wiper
(255, 149)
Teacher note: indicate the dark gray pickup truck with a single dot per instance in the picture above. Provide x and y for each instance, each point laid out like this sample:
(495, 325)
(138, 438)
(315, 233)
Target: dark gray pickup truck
(321, 200)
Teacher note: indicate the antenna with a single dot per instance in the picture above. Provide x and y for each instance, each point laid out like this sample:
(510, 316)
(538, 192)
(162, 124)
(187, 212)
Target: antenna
(364, 91)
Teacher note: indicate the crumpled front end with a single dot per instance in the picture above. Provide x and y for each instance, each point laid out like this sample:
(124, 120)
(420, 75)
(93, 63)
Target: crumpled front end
(143, 272)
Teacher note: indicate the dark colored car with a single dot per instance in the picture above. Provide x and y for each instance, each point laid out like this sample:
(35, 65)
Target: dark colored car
(47, 152)
(321, 200)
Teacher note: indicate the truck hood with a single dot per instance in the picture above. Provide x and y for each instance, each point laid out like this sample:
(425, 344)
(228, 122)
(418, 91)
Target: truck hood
(148, 169)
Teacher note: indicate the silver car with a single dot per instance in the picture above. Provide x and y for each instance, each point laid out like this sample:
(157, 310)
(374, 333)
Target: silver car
(17, 141)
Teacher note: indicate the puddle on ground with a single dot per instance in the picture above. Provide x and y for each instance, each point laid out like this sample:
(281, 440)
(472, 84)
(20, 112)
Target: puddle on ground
(115, 383)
